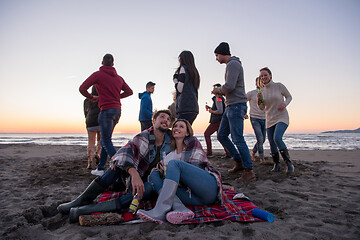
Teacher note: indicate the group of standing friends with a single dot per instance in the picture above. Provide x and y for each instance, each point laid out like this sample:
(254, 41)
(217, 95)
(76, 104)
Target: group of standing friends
(171, 165)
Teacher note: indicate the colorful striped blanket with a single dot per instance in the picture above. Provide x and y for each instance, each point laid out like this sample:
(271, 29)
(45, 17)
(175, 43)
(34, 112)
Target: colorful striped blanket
(233, 210)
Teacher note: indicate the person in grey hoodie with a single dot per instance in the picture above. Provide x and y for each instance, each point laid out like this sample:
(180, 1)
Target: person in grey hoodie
(232, 121)
(145, 114)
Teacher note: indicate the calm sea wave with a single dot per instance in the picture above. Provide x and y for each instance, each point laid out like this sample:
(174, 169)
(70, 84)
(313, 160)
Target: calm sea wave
(320, 141)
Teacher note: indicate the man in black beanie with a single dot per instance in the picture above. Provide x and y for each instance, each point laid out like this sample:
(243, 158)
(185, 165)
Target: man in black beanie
(222, 49)
(232, 121)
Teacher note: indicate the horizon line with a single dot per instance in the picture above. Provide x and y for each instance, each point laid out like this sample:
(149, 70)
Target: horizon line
(289, 132)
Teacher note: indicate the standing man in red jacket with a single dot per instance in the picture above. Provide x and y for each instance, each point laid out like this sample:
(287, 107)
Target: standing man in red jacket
(111, 88)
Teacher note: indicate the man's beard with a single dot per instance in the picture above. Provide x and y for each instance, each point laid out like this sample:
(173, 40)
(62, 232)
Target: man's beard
(163, 129)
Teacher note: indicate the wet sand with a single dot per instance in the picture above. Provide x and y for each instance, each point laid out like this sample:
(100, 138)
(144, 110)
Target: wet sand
(320, 200)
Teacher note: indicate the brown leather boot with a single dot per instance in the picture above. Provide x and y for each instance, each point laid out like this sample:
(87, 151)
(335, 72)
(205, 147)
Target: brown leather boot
(237, 167)
(247, 176)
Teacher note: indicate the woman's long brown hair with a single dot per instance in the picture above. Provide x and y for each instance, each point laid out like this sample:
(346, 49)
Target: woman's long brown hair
(187, 58)
(189, 130)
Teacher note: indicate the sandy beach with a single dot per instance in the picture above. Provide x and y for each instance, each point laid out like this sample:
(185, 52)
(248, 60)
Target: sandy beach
(321, 200)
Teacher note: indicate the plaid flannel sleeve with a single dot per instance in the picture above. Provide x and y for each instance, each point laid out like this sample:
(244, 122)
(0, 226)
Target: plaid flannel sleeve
(132, 154)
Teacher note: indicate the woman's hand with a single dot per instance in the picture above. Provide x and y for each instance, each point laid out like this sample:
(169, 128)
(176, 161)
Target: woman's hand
(136, 182)
(281, 107)
(160, 167)
(260, 101)
(94, 98)
(260, 98)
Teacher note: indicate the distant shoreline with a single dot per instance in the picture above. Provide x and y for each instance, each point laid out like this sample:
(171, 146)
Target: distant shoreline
(344, 131)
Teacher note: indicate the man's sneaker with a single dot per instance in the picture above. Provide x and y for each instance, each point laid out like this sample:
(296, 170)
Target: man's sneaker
(97, 172)
(209, 155)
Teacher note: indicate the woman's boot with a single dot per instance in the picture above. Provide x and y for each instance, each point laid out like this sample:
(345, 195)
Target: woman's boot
(90, 193)
(179, 212)
(163, 205)
(276, 159)
(285, 155)
(108, 206)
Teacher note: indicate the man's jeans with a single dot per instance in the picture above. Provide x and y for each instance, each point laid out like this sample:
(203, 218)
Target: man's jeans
(107, 120)
(260, 134)
(197, 186)
(232, 122)
(110, 176)
(275, 135)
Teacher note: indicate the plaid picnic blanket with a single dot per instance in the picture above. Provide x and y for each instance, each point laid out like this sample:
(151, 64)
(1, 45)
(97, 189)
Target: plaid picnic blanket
(234, 210)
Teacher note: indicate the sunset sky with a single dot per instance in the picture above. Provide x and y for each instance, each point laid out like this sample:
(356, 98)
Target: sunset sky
(48, 48)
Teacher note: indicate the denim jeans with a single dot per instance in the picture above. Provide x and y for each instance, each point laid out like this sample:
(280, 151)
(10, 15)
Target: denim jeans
(213, 127)
(107, 120)
(110, 177)
(197, 186)
(232, 122)
(275, 135)
(190, 116)
(260, 133)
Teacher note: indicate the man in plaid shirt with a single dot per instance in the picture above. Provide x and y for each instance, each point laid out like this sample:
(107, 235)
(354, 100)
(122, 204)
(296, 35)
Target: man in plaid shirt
(132, 163)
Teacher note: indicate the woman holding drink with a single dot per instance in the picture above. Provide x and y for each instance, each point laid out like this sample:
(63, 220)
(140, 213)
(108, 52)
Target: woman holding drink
(257, 119)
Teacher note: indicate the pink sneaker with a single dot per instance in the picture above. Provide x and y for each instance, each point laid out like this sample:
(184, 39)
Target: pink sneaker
(176, 217)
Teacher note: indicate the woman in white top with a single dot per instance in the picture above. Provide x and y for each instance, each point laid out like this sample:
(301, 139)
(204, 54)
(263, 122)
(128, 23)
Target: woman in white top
(257, 119)
(277, 117)
(189, 179)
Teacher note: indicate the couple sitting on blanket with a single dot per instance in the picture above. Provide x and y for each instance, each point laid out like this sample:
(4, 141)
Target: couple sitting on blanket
(189, 179)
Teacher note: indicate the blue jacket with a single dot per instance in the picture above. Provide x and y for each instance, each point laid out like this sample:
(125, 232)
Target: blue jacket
(145, 106)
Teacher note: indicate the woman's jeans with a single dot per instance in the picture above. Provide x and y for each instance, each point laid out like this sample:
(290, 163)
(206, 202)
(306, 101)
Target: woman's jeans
(232, 122)
(190, 116)
(107, 120)
(275, 135)
(260, 134)
(197, 186)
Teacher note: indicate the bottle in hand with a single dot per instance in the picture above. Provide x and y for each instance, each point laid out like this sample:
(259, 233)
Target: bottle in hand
(134, 204)
(261, 99)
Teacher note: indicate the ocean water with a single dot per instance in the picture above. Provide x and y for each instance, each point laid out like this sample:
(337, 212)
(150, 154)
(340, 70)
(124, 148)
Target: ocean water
(313, 141)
